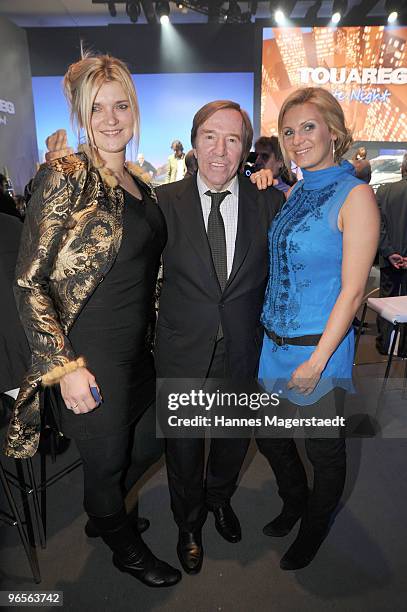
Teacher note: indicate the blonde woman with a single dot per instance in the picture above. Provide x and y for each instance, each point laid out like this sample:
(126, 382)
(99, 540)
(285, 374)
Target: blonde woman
(321, 248)
(86, 277)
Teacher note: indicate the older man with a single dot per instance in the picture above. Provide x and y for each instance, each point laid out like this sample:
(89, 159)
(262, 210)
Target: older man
(215, 273)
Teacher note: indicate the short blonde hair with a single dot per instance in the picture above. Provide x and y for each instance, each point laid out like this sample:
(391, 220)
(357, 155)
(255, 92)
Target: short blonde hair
(330, 110)
(210, 109)
(81, 84)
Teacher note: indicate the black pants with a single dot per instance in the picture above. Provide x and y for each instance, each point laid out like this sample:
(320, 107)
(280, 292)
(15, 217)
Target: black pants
(113, 464)
(328, 459)
(185, 458)
(393, 282)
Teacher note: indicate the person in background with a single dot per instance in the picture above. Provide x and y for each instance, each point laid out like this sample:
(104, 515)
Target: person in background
(20, 205)
(176, 163)
(392, 201)
(145, 166)
(7, 204)
(85, 288)
(15, 352)
(191, 163)
(362, 165)
(270, 157)
(321, 248)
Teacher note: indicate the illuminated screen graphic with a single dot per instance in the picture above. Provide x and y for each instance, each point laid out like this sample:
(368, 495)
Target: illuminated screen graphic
(365, 68)
(167, 102)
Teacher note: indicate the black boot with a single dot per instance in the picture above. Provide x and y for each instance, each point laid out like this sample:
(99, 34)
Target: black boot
(131, 554)
(139, 523)
(328, 457)
(285, 521)
(291, 478)
(305, 546)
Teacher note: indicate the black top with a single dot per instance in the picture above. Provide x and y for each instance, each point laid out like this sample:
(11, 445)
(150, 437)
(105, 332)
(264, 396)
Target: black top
(111, 332)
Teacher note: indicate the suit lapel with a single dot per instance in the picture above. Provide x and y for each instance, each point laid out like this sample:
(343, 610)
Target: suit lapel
(189, 211)
(247, 222)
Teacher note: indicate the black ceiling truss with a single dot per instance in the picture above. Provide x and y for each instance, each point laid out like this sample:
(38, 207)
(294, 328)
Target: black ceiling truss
(231, 11)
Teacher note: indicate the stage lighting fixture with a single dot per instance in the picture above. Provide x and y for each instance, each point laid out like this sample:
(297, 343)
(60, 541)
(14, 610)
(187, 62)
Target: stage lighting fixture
(338, 10)
(163, 12)
(112, 9)
(133, 9)
(233, 13)
(279, 16)
(392, 8)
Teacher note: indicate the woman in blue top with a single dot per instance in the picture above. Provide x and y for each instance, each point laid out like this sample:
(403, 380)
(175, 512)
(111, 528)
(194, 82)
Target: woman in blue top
(322, 245)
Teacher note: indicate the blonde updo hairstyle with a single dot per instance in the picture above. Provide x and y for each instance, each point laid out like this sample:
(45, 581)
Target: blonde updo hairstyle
(330, 110)
(81, 84)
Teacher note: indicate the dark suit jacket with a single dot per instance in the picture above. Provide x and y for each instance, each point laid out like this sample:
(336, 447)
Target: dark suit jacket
(392, 201)
(191, 302)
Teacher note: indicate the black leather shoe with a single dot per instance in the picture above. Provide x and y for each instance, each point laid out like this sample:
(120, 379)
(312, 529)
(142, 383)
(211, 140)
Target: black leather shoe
(227, 523)
(302, 550)
(282, 524)
(141, 524)
(130, 554)
(144, 566)
(190, 551)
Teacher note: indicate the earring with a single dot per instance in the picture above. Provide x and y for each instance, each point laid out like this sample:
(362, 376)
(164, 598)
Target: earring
(333, 151)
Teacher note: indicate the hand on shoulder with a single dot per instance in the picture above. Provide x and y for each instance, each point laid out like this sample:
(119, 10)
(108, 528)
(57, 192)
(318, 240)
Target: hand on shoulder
(57, 144)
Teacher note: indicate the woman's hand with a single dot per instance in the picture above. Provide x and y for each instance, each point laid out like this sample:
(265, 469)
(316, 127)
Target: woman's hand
(305, 378)
(263, 179)
(57, 145)
(76, 393)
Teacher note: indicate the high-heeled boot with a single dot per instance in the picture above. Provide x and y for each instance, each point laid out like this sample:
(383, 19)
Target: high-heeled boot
(131, 554)
(137, 522)
(329, 461)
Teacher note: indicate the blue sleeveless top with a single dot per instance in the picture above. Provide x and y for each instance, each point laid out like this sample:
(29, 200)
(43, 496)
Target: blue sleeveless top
(305, 249)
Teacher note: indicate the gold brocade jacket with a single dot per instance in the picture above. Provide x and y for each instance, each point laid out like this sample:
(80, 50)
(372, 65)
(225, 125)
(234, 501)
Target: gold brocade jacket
(72, 234)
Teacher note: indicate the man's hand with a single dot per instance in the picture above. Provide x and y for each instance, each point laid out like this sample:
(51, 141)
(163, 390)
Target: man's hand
(263, 179)
(396, 260)
(76, 393)
(57, 145)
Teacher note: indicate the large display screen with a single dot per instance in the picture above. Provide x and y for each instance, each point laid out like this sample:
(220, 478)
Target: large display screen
(167, 102)
(365, 68)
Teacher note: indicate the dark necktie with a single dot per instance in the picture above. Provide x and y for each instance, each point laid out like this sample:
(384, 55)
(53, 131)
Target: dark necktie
(216, 236)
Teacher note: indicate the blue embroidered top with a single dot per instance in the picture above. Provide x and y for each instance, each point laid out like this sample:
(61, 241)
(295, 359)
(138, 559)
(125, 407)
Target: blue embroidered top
(305, 247)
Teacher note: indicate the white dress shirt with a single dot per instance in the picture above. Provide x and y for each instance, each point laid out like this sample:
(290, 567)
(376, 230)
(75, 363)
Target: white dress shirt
(229, 210)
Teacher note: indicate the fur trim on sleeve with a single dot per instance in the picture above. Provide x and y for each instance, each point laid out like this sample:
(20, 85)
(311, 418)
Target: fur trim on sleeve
(55, 375)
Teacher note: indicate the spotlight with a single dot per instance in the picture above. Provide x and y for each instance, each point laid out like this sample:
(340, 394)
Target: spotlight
(279, 16)
(338, 10)
(133, 9)
(392, 8)
(163, 12)
(112, 9)
(234, 12)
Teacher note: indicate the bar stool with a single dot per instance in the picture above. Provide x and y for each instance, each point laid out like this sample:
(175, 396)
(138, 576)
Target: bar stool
(393, 310)
(45, 481)
(16, 521)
